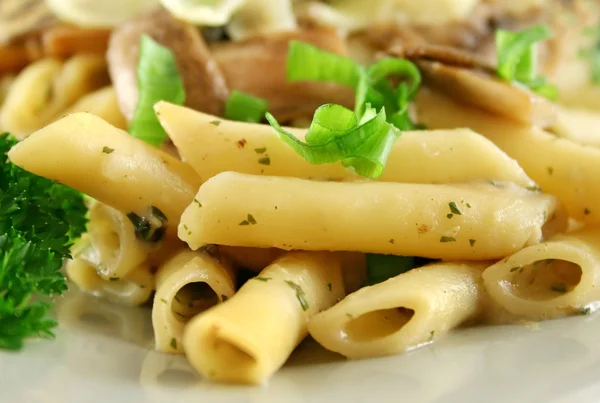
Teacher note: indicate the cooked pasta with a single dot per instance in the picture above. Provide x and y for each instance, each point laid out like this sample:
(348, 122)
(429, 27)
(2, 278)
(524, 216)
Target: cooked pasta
(314, 215)
(373, 174)
(417, 157)
(45, 89)
(187, 284)
(250, 336)
(403, 312)
(553, 279)
(123, 172)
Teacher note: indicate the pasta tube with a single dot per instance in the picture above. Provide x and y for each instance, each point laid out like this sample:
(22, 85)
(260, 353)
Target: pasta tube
(416, 157)
(133, 289)
(472, 222)
(553, 279)
(402, 312)
(120, 170)
(250, 336)
(102, 103)
(113, 238)
(561, 167)
(46, 88)
(187, 284)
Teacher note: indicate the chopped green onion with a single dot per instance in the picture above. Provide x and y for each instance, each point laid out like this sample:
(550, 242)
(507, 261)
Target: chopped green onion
(308, 63)
(245, 107)
(158, 80)
(335, 134)
(593, 53)
(517, 58)
(383, 267)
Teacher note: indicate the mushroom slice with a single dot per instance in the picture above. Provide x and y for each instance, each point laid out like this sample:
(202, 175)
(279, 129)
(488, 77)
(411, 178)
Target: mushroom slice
(469, 80)
(263, 72)
(204, 84)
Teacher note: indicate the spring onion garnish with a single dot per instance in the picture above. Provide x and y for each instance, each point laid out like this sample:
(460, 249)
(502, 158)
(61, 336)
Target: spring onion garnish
(517, 58)
(158, 80)
(383, 267)
(245, 107)
(593, 53)
(360, 139)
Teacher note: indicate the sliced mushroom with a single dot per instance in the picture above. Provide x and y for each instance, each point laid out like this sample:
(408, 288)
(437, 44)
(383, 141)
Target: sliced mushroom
(205, 86)
(257, 66)
(469, 80)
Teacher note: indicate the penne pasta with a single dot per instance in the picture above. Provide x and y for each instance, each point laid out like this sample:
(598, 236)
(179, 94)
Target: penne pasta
(403, 312)
(578, 125)
(135, 288)
(556, 278)
(116, 249)
(250, 336)
(401, 219)
(121, 171)
(187, 284)
(48, 87)
(416, 157)
(102, 103)
(561, 167)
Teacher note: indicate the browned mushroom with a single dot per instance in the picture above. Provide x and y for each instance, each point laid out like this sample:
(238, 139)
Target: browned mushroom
(204, 84)
(467, 79)
(257, 66)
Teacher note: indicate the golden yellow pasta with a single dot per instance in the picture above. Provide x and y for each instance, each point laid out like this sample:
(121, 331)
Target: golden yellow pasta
(561, 167)
(101, 103)
(121, 171)
(47, 88)
(402, 312)
(212, 145)
(248, 338)
(186, 285)
(556, 278)
(480, 221)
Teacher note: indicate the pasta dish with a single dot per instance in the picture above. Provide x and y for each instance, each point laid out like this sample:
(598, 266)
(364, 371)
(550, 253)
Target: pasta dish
(372, 174)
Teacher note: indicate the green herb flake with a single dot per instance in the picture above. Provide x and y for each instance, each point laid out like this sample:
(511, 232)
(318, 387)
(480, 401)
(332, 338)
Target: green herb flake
(534, 188)
(329, 286)
(107, 150)
(431, 334)
(454, 209)
(251, 219)
(515, 269)
(174, 343)
(586, 211)
(197, 202)
(245, 222)
(164, 301)
(550, 170)
(586, 310)
(224, 297)
(114, 279)
(450, 215)
(265, 161)
(263, 279)
(468, 205)
(215, 122)
(472, 242)
(300, 295)
(447, 239)
(559, 287)
(260, 150)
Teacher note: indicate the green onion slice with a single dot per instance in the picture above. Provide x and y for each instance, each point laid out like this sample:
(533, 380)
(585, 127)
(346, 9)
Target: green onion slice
(158, 80)
(244, 107)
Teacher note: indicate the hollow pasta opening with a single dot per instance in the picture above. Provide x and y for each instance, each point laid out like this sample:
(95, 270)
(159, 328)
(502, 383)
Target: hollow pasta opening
(378, 324)
(192, 299)
(544, 279)
(230, 354)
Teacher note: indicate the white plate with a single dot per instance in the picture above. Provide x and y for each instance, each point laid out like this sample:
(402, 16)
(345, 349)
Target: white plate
(103, 354)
